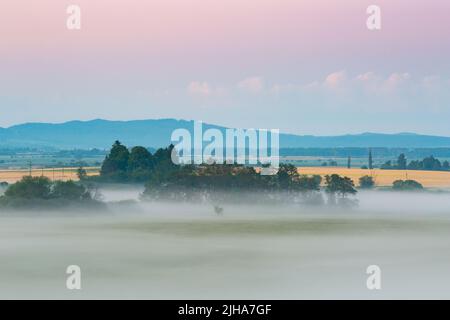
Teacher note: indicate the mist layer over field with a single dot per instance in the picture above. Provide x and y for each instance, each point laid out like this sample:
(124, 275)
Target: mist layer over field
(187, 251)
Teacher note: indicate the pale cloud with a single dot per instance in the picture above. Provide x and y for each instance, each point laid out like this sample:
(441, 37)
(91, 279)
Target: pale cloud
(375, 83)
(396, 80)
(252, 85)
(285, 88)
(432, 82)
(367, 86)
(335, 80)
(201, 89)
(368, 77)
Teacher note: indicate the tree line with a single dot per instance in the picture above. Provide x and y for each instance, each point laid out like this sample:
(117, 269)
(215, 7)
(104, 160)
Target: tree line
(41, 192)
(165, 180)
(428, 164)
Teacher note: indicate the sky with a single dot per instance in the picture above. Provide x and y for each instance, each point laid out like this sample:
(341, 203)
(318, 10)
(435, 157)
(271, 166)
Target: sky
(305, 67)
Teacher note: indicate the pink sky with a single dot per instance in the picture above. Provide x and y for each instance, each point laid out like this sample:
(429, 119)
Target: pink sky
(126, 46)
(198, 34)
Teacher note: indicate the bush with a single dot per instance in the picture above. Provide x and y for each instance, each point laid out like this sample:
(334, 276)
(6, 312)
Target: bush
(366, 182)
(335, 184)
(40, 192)
(69, 190)
(407, 185)
(31, 188)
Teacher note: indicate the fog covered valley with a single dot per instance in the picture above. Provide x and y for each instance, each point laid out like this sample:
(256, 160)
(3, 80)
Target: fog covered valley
(159, 250)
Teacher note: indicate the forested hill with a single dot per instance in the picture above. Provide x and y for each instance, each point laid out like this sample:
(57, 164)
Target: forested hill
(156, 133)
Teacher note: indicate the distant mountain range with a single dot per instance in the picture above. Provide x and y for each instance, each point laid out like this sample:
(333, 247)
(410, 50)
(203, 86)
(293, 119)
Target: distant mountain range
(156, 133)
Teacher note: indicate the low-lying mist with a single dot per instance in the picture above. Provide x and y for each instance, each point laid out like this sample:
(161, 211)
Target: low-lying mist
(233, 249)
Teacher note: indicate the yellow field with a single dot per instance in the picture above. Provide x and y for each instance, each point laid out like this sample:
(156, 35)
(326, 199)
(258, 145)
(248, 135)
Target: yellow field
(430, 179)
(65, 174)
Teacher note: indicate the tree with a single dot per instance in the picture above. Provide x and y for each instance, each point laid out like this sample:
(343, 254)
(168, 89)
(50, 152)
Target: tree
(415, 165)
(333, 163)
(370, 159)
(309, 183)
(387, 165)
(69, 190)
(446, 166)
(431, 163)
(287, 176)
(30, 188)
(343, 186)
(81, 173)
(406, 185)
(140, 164)
(116, 163)
(401, 162)
(335, 185)
(40, 192)
(366, 182)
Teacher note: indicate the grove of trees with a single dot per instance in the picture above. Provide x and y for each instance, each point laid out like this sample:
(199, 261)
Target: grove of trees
(429, 164)
(42, 192)
(407, 185)
(165, 180)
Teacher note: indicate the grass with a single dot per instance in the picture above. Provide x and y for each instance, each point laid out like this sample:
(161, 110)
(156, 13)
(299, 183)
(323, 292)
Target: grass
(279, 227)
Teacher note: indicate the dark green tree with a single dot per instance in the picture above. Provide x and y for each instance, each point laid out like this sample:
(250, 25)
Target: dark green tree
(341, 186)
(69, 190)
(407, 185)
(370, 159)
(446, 165)
(387, 165)
(431, 163)
(81, 173)
(401, 162)
(140, 164)
(287, 176)
(116, 163)
(366, 182)
(309, 183)
(30, 188)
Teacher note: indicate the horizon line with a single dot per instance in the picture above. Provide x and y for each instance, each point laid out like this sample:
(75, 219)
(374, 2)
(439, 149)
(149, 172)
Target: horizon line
(219, 125)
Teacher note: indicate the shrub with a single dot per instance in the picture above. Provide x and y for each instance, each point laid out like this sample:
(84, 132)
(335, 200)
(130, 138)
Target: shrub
(335, 184)
(69, 190)
(30, 187)
(407, 185)
(366, 182)
(40, 192)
